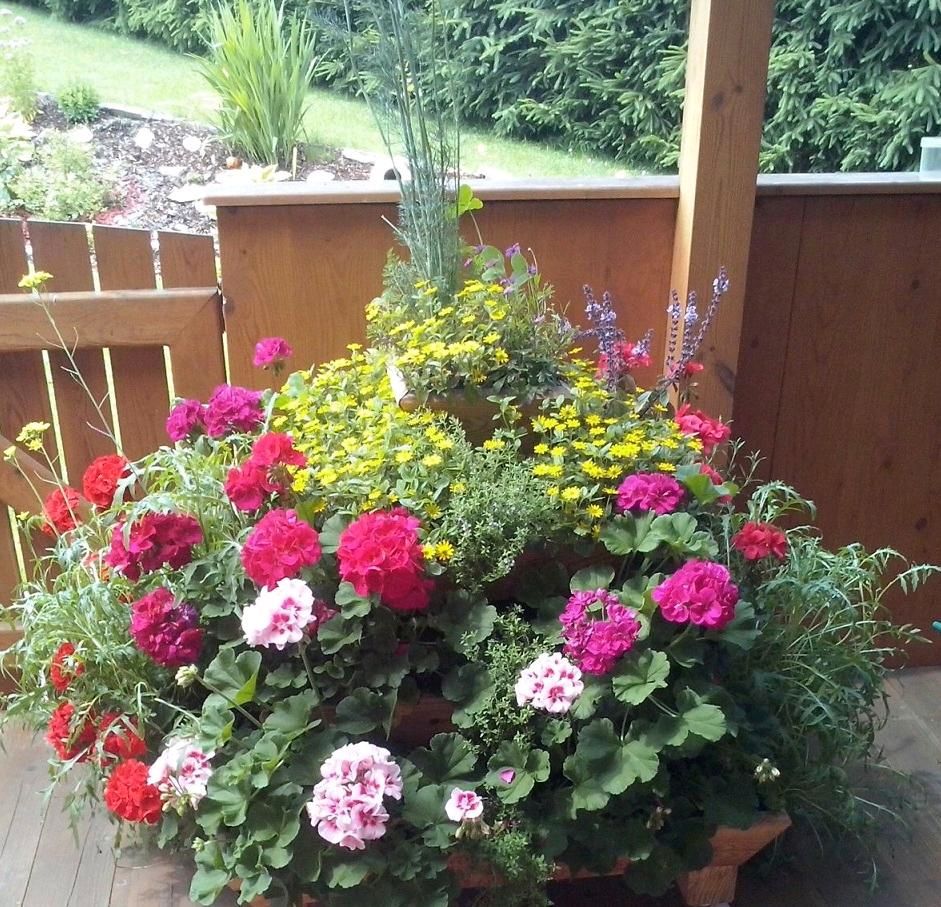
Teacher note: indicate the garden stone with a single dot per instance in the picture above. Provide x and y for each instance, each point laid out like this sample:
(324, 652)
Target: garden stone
(320, 176)
(144, 138)
(186, 193)
(192, 144)
(359, 157)
(81, 135)
(171, 172)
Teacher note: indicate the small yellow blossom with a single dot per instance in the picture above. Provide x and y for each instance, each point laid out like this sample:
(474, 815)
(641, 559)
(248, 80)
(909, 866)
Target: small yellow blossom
(432, 460)
(34, 281)
(501, 356)
(444, 552)
(404, 456)
(594, 511)
(571, 494)
(31, 434)
(458, 488)
(553, 491)
(9, 454)
(494, 444)
(541, 449)
(666, 467)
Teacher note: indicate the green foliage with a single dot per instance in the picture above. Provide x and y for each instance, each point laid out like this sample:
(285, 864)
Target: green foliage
(18, 82)
(260, 64)
(16, 150)
(79, 102)
(63, 183)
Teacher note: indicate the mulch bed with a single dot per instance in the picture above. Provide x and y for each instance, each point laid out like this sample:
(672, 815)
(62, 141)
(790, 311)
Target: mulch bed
(178, 157)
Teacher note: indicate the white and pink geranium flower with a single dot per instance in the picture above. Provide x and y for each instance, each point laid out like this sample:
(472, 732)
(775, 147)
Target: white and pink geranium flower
(463, 806)
(280, 615)
(347, 807)
(181, 773)
(551, 683)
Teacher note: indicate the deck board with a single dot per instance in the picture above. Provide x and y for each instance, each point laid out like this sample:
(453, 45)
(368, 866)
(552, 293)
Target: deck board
(41, 864)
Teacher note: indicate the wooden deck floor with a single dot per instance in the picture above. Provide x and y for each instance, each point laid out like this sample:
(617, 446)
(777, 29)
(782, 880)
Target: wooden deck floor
(43, 864)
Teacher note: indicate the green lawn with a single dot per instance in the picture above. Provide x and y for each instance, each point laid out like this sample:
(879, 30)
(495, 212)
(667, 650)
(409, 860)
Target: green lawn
(140, 74)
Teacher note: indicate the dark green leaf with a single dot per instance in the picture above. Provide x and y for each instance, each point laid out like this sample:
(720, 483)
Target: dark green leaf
(637, 677)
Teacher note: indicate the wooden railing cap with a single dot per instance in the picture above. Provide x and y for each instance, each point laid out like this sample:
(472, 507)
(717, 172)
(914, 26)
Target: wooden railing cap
(369, 192)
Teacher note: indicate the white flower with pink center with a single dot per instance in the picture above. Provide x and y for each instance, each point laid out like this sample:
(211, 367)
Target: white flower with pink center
(346, 808)
(551, 683)
(181, 773)
(280, 615)
(463, 806)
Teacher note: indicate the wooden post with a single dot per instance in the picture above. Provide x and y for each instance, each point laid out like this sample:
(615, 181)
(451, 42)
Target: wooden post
(726, 80)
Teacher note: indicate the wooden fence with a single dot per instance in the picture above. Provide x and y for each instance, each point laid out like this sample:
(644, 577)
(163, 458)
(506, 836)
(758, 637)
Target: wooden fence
(833, 378)
(119, 302)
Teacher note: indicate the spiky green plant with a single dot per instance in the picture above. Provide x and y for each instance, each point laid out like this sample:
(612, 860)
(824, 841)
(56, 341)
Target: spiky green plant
(260, 64)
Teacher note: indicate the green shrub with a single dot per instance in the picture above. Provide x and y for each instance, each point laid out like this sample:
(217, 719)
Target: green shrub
(260, 64)
(63, 184)
(16, 149)
(79, 102)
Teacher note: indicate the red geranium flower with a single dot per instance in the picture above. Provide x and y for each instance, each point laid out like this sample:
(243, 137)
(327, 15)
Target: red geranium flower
(758, 540)
(712, 432)
(128, 794)
(264, 472)
(64, 668)
(100, 481)
(68, 738)
(154, 540)
(380, 553)
(119, 739)
(279, 547)
(61, 510)
(166, 629)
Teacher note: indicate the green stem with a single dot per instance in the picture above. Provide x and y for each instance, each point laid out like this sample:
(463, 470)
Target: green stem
(231, 702)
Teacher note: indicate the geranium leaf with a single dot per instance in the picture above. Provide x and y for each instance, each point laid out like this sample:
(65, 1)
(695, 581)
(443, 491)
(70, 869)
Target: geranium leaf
(292, 715)
(448, 758)
(623, 536)
(598, 576)
(364, 710)
(351, 604)
(637, 678)
(703, 719)
(515, 770)
(234, 676)
(587, 793)
(331, 532)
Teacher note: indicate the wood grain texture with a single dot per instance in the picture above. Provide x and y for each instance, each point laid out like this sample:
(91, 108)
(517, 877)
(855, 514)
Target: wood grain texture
(23, 396)
(187, 260)
(307, 272)
(196, 352)
(62, 250)
(860, 399)
(726, 78)
(769, 297)
(125, 260)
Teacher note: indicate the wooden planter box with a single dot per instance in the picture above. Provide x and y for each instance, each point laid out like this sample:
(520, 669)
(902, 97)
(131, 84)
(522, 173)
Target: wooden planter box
(707, 887)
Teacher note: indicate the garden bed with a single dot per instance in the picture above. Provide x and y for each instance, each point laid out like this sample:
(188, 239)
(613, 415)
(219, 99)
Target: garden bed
(159, 165)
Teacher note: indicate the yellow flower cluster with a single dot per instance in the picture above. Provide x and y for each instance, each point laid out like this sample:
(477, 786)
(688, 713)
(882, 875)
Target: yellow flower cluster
(585, 448)
(364, 451)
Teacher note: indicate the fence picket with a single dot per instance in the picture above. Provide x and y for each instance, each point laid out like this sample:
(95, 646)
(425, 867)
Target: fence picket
(187, 260)
(24, 398)
(126, 262)
(62, 250)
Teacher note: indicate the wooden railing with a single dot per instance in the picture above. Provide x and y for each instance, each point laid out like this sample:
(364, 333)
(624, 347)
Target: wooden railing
(104, 317)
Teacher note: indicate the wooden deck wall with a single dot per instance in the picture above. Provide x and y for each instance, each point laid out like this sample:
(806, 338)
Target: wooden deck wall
(834, 380)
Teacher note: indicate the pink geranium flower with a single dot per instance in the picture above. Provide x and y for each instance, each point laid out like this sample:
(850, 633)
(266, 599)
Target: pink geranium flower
(166, 629)
(185, 418)
(279, 546)
(712, 432)
(154, 540)
(232, 409)
(380, 553)
(649, 492)
(598, 630)
(700, 592)
(551, 683)
(271, 352)
(463, 806)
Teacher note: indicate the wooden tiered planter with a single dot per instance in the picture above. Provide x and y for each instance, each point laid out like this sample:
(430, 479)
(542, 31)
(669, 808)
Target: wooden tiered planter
(707, 887)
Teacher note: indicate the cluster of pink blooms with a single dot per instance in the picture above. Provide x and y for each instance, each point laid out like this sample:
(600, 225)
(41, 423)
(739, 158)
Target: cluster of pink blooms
(712, 432)
(181, 773)
(551, 683)
(229, 409)
(380, 554)
(283, 614)
(154, 540)
(700, 593)
(279, 546)
(758, 540)
(166, 629)
(463, 806)
(652, 492)
(271, 352)
(347, 807)
(264, 472)
(598, 630)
